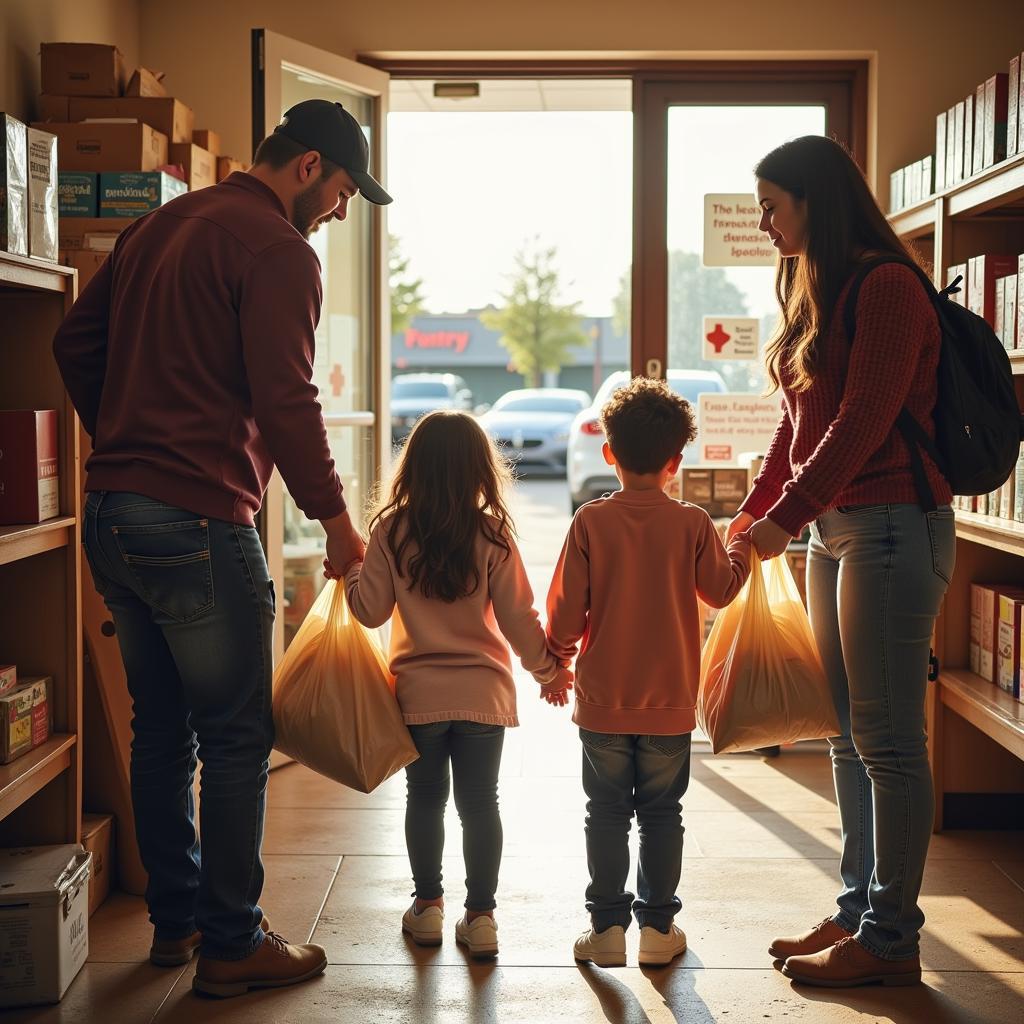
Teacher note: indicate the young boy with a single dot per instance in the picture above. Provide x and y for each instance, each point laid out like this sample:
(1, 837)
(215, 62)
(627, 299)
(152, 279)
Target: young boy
(627, 583)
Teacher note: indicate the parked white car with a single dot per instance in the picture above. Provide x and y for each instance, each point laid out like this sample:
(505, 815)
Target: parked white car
(589, 475)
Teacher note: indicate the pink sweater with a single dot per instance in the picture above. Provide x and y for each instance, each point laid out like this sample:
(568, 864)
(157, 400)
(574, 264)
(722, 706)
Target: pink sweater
(627, 584)
(450, 660)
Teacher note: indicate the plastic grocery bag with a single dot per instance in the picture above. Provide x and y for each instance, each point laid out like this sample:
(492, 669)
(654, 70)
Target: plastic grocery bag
(761, 678)
(334, 699)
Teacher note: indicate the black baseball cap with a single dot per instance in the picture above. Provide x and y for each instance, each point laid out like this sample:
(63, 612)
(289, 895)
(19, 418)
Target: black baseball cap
(334, 133)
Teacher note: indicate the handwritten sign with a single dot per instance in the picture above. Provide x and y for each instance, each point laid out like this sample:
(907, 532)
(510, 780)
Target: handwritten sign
(734, 424)
(731, 235)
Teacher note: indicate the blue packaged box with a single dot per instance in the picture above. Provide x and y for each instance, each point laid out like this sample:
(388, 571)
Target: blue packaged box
(78, 194)
(134, 193)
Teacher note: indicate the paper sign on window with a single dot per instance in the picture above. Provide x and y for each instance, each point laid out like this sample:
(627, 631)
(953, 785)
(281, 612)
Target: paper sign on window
(731, 337)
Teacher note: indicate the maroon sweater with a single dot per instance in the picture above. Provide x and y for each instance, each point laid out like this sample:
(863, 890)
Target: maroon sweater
(189, 357)
(836, 443)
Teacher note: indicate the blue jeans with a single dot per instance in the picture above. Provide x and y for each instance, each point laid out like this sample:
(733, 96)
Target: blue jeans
(474, 751)
(193, 605)
(876, 576)
(647, 776)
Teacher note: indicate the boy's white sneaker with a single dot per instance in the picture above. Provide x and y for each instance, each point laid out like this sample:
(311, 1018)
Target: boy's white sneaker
(606, 949)
(659, 948)
(479, 936)
(424, 928)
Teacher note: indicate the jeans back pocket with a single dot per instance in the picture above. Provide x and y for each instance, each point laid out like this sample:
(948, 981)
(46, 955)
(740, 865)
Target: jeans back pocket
(170, 563)
(942, 538)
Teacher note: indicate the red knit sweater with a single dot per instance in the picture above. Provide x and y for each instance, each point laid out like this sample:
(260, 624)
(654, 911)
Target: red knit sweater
(837, 443)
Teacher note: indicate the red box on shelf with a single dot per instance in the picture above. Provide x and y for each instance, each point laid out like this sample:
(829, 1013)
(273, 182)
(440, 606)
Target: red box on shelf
(982, 275)
(29, 491)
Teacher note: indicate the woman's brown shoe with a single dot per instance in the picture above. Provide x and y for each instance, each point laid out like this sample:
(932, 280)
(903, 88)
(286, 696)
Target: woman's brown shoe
(275, 964)
(820, 937)
(847, 964)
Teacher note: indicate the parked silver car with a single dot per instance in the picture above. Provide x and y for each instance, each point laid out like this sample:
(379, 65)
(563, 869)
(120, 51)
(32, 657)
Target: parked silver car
(415, 394)
(531, 426)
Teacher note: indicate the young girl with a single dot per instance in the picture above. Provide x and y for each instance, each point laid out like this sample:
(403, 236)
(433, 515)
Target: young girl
(441, 550)
(878, 562)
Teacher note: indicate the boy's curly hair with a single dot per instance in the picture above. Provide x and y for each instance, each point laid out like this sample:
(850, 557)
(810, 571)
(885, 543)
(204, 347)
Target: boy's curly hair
(646, 424)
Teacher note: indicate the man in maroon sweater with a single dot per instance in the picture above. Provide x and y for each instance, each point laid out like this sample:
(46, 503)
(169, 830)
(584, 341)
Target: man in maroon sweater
(189, 358)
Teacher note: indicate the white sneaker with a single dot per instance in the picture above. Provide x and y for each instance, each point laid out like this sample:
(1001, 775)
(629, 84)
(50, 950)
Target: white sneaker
(479, 936)
(606, 949)
(658, 948)
(426, 927)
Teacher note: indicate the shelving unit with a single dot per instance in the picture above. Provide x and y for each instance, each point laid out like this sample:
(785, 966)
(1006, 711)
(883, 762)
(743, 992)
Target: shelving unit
(40, 570)
(976, 730)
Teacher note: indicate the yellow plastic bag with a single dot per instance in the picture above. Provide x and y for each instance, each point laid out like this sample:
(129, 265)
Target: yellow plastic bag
(334, 699)
(761, 678)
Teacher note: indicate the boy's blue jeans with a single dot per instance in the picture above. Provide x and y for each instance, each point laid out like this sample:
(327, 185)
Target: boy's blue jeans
(193, 605)
(623, 776)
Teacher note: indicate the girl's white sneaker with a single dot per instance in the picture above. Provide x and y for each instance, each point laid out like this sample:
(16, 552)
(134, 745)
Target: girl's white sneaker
(480, 936)
(658, 948)
(606, 949)
(424, 928)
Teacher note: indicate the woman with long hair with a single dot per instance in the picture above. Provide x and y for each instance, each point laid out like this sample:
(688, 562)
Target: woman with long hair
(878, 562)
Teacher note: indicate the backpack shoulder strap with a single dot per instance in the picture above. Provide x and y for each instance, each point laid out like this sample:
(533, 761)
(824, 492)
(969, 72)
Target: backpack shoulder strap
(850, 306)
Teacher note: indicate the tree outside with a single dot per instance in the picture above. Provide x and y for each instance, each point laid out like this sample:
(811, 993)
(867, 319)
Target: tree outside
(537, 330)
(406, 290)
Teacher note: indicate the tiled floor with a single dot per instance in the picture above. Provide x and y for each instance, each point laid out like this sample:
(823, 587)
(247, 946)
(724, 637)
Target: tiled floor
(761, 858)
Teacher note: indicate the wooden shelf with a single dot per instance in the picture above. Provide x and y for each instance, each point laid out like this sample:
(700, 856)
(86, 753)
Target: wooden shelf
(24, 777)
(1017, 362)
(917, 221)
(24, 541)
(999, 189)
(992, 531)
(995, 712)
(22, 272)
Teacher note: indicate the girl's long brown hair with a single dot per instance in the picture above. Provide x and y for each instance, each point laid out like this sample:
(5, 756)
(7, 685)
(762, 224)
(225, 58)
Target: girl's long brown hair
(447, 490)
(844, 224)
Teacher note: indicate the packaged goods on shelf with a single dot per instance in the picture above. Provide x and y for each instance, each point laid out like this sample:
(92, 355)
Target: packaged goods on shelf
(896, 202)
(29, 482)
(8, 677)
(959, 115)
(134, 193)
(78, 194)
(42, 195)
(988, 608)
(1020, 301)
(940, 150)
(1008, 497)
(107, 146)
(1008, 643)
(983, 272)
(26, 715)
(1013, 106)
(728, 489)
(1018, 488)
(979, 128)
(1010, 288)
(996, 109)
(969, 167)
(974, 646)
(13, 186)
(81, 69)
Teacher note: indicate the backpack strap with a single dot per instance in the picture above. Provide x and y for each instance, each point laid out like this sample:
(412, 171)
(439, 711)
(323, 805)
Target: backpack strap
(915, 436)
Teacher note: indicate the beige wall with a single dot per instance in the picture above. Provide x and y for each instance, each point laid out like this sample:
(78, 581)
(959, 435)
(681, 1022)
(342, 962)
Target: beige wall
(927, 53)
(24, 24)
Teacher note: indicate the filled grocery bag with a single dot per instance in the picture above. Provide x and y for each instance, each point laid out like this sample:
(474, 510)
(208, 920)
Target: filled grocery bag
(334, 699)
(761, 678)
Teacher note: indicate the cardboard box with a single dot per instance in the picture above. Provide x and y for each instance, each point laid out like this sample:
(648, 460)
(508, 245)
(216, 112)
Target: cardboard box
(145, 84)
(896, 201)
(979, 128)
(228, 165)
(728, 489)
(950, 146)
(54, 108)
(989, 595)
(45, 908)
(108, 147)
(940, 151)
(1011, 284)
(200, 166)
(969, 167)
(87, 262)
(42, 195)
(1013, 105)
(984, 271)
(77, 232)
(98, 840)
(8, 677)
(25, 717)
(974, 646)
(205, 139)
(29, 490)
(13, 186)
(1008, 643)
(167, 115)
(697, 486)
(997, 90)
(82, 69)
(959, 113)
(134, 193)
(78, 195)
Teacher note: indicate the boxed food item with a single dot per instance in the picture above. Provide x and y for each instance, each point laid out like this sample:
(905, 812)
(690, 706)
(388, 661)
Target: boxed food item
(200, 166)
(87, 262)
(78, 194)
(26, 714)
(988, 610)
(940, 151)
(928, 177)
(979, 128)
(82, 69)
(54, 108)
(8, 677)
(13, 186)
(1020, 297)
(997, 90)
(1008, 643)
(959, 113)
(969, 167)
(205, 139)
(44, 904)
(167, 115)
(134, 193)
(91, 232)
(145, 83)
(974, 645)
(1018, 488)
(950, 146)
(98, 840)
(1007, 496)
(28, 466)
(42, 195)
(983, 273)
(1010, 287)
(728, 489)
(697, 486)
(1013, 105)
(999, 310)
(98, 146)
(228, 165)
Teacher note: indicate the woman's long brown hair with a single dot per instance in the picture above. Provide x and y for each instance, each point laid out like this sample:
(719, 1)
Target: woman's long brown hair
(447, 490)
(844, 225)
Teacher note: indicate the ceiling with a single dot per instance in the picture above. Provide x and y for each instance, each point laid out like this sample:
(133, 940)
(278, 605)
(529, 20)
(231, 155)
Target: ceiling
(516, 94)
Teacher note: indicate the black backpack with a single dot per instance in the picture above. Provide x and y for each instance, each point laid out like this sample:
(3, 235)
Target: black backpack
(978, 423)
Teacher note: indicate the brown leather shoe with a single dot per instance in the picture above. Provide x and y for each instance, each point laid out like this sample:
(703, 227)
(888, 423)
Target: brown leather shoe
(848, 963)
(275, 964)
(820, 937)
(177, 952)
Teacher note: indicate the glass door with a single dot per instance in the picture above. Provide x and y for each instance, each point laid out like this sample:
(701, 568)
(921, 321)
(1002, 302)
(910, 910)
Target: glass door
(351, 368)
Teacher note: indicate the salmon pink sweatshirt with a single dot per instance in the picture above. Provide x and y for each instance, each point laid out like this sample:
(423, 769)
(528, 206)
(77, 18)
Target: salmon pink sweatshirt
(626, 585)
(450, 659)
